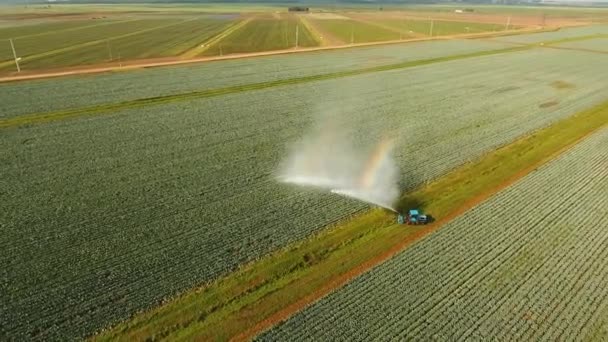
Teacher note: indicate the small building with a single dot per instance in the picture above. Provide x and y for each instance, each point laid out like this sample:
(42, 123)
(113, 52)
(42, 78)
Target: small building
(298, 9)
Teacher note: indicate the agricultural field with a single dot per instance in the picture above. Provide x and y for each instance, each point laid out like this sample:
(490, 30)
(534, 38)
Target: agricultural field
(70, 37)
(119, 87)
(114, 41)
(528, 264)
(112, 212)
(353, 31)
(420, 27)
(265, 33)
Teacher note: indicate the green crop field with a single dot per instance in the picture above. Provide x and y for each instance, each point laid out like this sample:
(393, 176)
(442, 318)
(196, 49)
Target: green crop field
(111, 210)
(528, 264)
(355, 31)
(208, 76)
(440, 27)
(45, 28)
(264, 33)
(71, 36)
(114, 41)
(32, 45)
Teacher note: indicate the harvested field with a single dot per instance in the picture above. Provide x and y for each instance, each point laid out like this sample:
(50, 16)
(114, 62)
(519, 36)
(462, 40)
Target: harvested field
(528, 264)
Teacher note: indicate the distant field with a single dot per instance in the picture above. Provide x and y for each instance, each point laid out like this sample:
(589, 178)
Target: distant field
(374, 28)
(348, 30)
(144, 38)
(442, 27)
(66, 36)
(20, 30)
(265, 33)
(47, 40)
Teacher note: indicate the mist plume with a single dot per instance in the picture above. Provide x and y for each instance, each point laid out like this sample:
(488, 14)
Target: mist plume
(329, 159)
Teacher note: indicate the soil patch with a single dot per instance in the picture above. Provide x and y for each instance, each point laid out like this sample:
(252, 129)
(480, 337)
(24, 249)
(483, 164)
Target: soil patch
(548, 104)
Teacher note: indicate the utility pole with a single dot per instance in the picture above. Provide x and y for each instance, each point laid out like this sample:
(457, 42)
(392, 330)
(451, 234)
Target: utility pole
(508, 23)
(297, 34)
(109, 49)
(221, 50)
(432, 24)
(543, 17)
(15, 55)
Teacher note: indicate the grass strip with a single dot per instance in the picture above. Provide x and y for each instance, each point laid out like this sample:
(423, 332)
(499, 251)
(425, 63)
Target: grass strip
(264, 292)
(112, 108)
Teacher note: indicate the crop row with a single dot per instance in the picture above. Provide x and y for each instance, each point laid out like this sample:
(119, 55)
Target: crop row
(107, 215)
(528, 264)
(43, 95)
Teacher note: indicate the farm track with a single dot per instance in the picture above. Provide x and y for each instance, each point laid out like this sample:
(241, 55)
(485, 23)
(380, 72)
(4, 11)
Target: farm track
(347, 277)
(60, 115)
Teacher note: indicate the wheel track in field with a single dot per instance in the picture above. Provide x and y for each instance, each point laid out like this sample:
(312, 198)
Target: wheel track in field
(345, 278)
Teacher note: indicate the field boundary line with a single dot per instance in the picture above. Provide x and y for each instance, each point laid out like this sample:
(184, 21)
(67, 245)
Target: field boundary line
(345, 278)
(575, 49)
(134, 64)
(215, 40)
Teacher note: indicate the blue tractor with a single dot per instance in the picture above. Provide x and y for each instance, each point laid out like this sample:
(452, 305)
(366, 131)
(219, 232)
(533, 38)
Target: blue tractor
(414, 217)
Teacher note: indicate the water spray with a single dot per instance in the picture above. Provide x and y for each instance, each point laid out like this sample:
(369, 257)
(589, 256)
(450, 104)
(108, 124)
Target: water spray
(328, 161)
